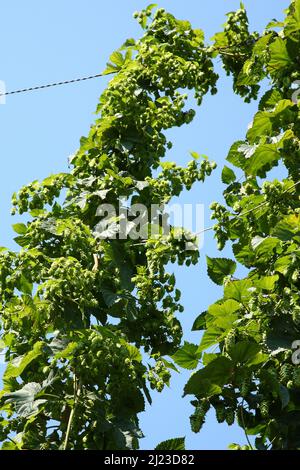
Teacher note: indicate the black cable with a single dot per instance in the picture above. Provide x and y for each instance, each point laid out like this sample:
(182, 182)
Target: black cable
(66, 82)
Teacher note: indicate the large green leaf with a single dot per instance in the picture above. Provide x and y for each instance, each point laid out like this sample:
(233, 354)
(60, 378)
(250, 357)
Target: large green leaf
(24, 285)
(292, 25)
(266, 282)
(211, 378)
(247, 353)
(25, 401)
(265, 155)
(288, 227)
(264, 247)
(223, 314)
(224, 308)
(200, 322)
(228, 175)
(19, 364)
(280, 58)
(117, 58)
(262, 125)
(282, 264)
(235, 157)
(21, 229)
(187, 356)
(238, 290)
(211, 337)
(270, 99)
(134, 352)
(219, 268)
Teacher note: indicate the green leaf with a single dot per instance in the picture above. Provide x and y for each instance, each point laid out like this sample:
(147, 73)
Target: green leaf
(195, 155)
(110, 68)
(270, 99)
(24, 285)
(279, 339)
(200, 322)
(187, 356)
(210, 379)
(264, 247)
(244, 351)
(280, 58)
(292, 26)
(150, 7)
(259, 358)
(219, 268)
(282, 264)
(238, 290)
(265, 155)
(228, 175)
(211, 337)
(177, 443)
(223, 314)
(21, 229)
(15, 443)
(109, 296)
(169, 365)
(235, 157)
(262, 125)
(21, 241)
(117, 58)
(266, 282)
(225, 308)
(10, 445)
(288, 227)
(208, 357)
(19, 364)
(24, 400)
(243, 254)
(133, 352)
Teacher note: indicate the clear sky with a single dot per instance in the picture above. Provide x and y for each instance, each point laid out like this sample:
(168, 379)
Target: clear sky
(43, 42)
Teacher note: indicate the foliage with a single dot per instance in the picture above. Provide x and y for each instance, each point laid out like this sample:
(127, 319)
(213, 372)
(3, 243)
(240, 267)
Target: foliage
(172, 444)
(251, 377)
(86, 317)
(83, 311)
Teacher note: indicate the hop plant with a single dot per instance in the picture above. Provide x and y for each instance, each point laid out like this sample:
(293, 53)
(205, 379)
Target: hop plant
(197, 419)
(264, 409)
(229, 416)
(286, 372)
(220, 412)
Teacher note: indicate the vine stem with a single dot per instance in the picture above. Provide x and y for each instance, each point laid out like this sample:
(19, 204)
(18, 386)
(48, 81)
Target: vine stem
(77, 391)
(244, 427)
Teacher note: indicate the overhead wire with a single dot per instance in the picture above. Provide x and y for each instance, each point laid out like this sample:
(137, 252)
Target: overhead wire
(49, 85)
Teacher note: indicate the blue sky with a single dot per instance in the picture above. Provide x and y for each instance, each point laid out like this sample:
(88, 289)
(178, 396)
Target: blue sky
(43, 42)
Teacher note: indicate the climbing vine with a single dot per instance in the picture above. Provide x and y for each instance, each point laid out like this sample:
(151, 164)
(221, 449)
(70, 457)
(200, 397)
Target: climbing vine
(249, 374)
(88, 316)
